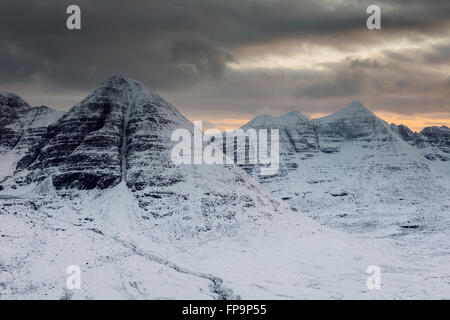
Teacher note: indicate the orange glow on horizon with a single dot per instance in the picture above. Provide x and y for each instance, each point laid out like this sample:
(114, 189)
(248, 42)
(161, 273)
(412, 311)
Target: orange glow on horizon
(414, 122)
(222, 124)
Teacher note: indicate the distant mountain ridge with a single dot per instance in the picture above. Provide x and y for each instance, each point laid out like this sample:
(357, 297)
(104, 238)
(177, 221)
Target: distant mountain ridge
(353, 122)
(352, 161)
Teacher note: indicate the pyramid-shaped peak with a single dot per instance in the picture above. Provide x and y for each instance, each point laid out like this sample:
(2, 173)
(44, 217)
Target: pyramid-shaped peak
(357, 107)
(355, 110)
(118, 81)
(122, 89)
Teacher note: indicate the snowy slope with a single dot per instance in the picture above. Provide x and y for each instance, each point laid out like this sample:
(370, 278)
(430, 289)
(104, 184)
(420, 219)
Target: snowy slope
(122, 256)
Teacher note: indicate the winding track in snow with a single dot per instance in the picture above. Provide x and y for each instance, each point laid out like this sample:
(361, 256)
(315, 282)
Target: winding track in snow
(216, 286)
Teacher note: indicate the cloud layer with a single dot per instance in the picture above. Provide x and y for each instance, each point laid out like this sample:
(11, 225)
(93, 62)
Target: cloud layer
(233, 59)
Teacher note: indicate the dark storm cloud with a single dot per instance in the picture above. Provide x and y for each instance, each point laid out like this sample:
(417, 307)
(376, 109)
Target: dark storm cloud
(199, 57)
(434, 54)
(342, 83)
(158, 43)
(173, 44)
(372, 79)
(183, 49)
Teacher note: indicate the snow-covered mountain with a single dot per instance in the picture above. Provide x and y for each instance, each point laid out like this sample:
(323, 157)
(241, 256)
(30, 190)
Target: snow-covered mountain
(353, 171)
(21, 127)
(118, 138)
(98, 190)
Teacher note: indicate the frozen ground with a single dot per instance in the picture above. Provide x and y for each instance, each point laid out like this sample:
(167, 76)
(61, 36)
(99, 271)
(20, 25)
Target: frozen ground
(122, 256)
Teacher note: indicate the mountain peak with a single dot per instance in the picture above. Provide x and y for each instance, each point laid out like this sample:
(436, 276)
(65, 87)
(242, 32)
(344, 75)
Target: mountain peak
(120, 82)
(290, 118)
(356, 106)
(121, 89)
(12, 100)
(355, 110)
(116, 80)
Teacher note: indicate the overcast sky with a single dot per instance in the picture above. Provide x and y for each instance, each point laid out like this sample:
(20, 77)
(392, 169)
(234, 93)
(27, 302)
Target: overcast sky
(227, 61)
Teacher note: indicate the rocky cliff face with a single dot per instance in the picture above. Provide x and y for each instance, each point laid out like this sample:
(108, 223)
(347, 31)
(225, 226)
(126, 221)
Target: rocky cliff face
(432, 142)
(119, 132)
(12, 109)
(438, 140)
(21, 128)
(82, 149)
(438, 137)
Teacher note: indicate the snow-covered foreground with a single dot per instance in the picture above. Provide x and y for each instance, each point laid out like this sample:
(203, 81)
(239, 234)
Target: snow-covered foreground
(124, 257)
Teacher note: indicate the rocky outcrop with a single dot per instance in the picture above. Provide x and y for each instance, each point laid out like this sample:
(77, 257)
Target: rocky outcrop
(433, 142)
(439, 138)
(405, 133)
(21, 128)
(12, 110)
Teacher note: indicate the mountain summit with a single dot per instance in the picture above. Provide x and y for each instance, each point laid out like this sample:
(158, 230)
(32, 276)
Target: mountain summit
(354, 112)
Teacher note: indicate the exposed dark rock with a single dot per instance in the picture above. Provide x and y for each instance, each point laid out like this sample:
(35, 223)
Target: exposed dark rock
(438, 137)
(21, 128)
(339, 194)
(82, 150)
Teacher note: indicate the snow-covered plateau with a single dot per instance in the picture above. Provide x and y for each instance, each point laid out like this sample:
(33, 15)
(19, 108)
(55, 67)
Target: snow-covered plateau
(95, 187)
